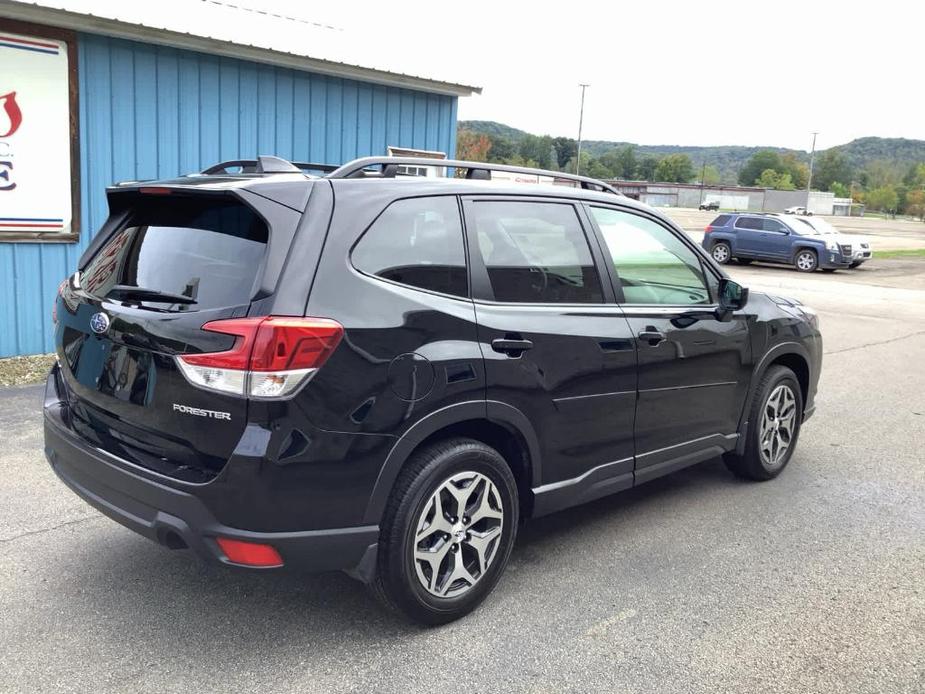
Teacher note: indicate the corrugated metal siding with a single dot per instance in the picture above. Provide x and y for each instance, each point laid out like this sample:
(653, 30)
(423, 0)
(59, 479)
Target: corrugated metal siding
(154, 112)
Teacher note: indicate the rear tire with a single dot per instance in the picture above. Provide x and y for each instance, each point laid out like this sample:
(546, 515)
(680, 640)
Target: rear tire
(806, 260)
(721, 252)
(773, 427)
(437, 568)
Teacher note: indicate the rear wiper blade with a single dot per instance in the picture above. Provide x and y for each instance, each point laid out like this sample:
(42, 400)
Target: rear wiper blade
(142, 294)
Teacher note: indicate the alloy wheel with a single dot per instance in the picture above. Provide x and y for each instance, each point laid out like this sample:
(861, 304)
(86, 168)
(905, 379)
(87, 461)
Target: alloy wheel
(458, 534)
(720, 253)
(806, 261)
(777, 426)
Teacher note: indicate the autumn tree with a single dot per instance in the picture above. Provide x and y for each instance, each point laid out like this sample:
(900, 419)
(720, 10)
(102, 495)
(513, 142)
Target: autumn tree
(472, 146)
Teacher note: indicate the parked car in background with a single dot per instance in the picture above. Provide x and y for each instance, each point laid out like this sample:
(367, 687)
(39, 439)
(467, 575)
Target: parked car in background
(860, 245)
(798, 210)
(711, 206)
(776, 239)
(388, 385)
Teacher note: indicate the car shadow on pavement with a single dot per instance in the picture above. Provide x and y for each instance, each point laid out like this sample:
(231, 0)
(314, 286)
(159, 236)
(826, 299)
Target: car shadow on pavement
(140, 591)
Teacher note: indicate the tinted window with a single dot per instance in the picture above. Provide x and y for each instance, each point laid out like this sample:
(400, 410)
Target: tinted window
(207, 249)
(720, 221)
(654, 265)
(417, 242)
(773, 225)
(749, 223)
(535, 252)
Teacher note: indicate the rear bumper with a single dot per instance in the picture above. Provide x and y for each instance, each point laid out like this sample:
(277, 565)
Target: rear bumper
(177, 518)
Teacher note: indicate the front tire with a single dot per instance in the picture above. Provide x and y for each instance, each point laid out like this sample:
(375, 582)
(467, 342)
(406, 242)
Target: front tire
(773, 427)
(447, 531)
(721, 252)
(806, 260)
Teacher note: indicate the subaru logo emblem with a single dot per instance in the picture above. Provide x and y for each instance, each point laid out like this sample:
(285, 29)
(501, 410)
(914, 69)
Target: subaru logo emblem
(99, 323)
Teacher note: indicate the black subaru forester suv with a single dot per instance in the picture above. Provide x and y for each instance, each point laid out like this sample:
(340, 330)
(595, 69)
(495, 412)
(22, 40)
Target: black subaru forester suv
(387, 374)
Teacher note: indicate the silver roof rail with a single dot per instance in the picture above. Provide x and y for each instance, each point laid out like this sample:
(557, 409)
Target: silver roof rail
(474, 170)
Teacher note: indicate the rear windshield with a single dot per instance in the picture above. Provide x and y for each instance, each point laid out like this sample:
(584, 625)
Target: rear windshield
(720, 221)
(204, 248)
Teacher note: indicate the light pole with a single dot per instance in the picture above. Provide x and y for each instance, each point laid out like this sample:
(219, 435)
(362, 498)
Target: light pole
(581, 117)
(809, 180)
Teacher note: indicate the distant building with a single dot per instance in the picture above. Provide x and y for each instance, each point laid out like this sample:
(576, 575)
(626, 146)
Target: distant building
(735, 197)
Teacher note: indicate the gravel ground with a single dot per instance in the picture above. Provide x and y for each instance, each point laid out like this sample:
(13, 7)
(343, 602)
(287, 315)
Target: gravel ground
(697, 582)
(17, 371)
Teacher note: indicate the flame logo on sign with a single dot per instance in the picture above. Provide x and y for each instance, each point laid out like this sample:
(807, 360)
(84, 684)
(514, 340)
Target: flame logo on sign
(12, 112)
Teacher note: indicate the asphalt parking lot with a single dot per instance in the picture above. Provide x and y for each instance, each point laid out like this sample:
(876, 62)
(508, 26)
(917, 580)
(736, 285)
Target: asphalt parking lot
(814, 582)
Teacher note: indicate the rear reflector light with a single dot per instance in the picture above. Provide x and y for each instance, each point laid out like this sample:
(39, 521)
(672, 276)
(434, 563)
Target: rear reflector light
(154, 190)
(271, 358)
(249, 553)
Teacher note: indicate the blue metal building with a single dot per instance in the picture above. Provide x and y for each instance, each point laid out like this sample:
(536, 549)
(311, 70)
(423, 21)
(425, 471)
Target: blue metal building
(156, 103)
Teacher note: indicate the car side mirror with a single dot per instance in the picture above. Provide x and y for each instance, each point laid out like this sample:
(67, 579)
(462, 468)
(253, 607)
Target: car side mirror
(732, 297)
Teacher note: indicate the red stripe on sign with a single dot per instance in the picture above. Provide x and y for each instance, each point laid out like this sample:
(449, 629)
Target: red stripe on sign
(37, 226)
(29, 43)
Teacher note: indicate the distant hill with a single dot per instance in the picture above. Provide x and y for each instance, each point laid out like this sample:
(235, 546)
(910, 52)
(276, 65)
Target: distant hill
(728, 159)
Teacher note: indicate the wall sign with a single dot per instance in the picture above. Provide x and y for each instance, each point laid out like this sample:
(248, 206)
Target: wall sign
(39, 186)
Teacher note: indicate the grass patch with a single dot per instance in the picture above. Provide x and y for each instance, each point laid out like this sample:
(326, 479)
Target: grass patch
(20, 371)
(907, 253)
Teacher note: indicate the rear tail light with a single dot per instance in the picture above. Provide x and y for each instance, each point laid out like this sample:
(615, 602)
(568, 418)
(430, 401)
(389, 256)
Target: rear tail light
(272, 357)
(249, 553)
(708, 229)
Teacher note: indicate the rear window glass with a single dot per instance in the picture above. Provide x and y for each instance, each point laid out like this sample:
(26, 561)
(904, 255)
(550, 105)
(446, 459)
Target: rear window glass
(206, 249)
(720, 221)
(417, 242)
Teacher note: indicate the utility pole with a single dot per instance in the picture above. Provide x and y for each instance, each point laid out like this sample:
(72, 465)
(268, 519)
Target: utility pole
(812, 156)
(581, 117)
(703, 173)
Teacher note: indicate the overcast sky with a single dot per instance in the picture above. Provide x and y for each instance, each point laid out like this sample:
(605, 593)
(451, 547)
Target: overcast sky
(667, 72)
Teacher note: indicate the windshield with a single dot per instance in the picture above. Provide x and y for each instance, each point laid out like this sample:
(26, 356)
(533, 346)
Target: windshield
(802, 227)
(823, 227)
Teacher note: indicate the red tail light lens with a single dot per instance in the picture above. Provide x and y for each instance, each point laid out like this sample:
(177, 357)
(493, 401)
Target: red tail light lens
(271, 357)
(708, 229)
(249, 553)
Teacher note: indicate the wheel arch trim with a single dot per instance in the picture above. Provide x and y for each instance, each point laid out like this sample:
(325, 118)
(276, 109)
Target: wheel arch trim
(779, 350)
(496, 412)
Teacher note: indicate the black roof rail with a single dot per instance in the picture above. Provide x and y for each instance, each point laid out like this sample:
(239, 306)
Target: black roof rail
(267, 164)
(474, 170)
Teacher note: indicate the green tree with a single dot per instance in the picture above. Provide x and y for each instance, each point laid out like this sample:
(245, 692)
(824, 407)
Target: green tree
(536, 148)
(501, 148)
(883, 198)
(770, 178)
(566, 148)
(710, 175)
(645, 169)
(831, 165)
(840, 189)
(799, 172)
(627, 157)
(915, 203)
(759, 162)
(597, 169)
(675, 168)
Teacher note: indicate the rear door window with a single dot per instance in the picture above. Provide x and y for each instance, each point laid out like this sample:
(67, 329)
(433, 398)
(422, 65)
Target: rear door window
(206, 249)
(535, 252)
(773, 225)
(720, 221)
(417, 242)
(749, 223)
